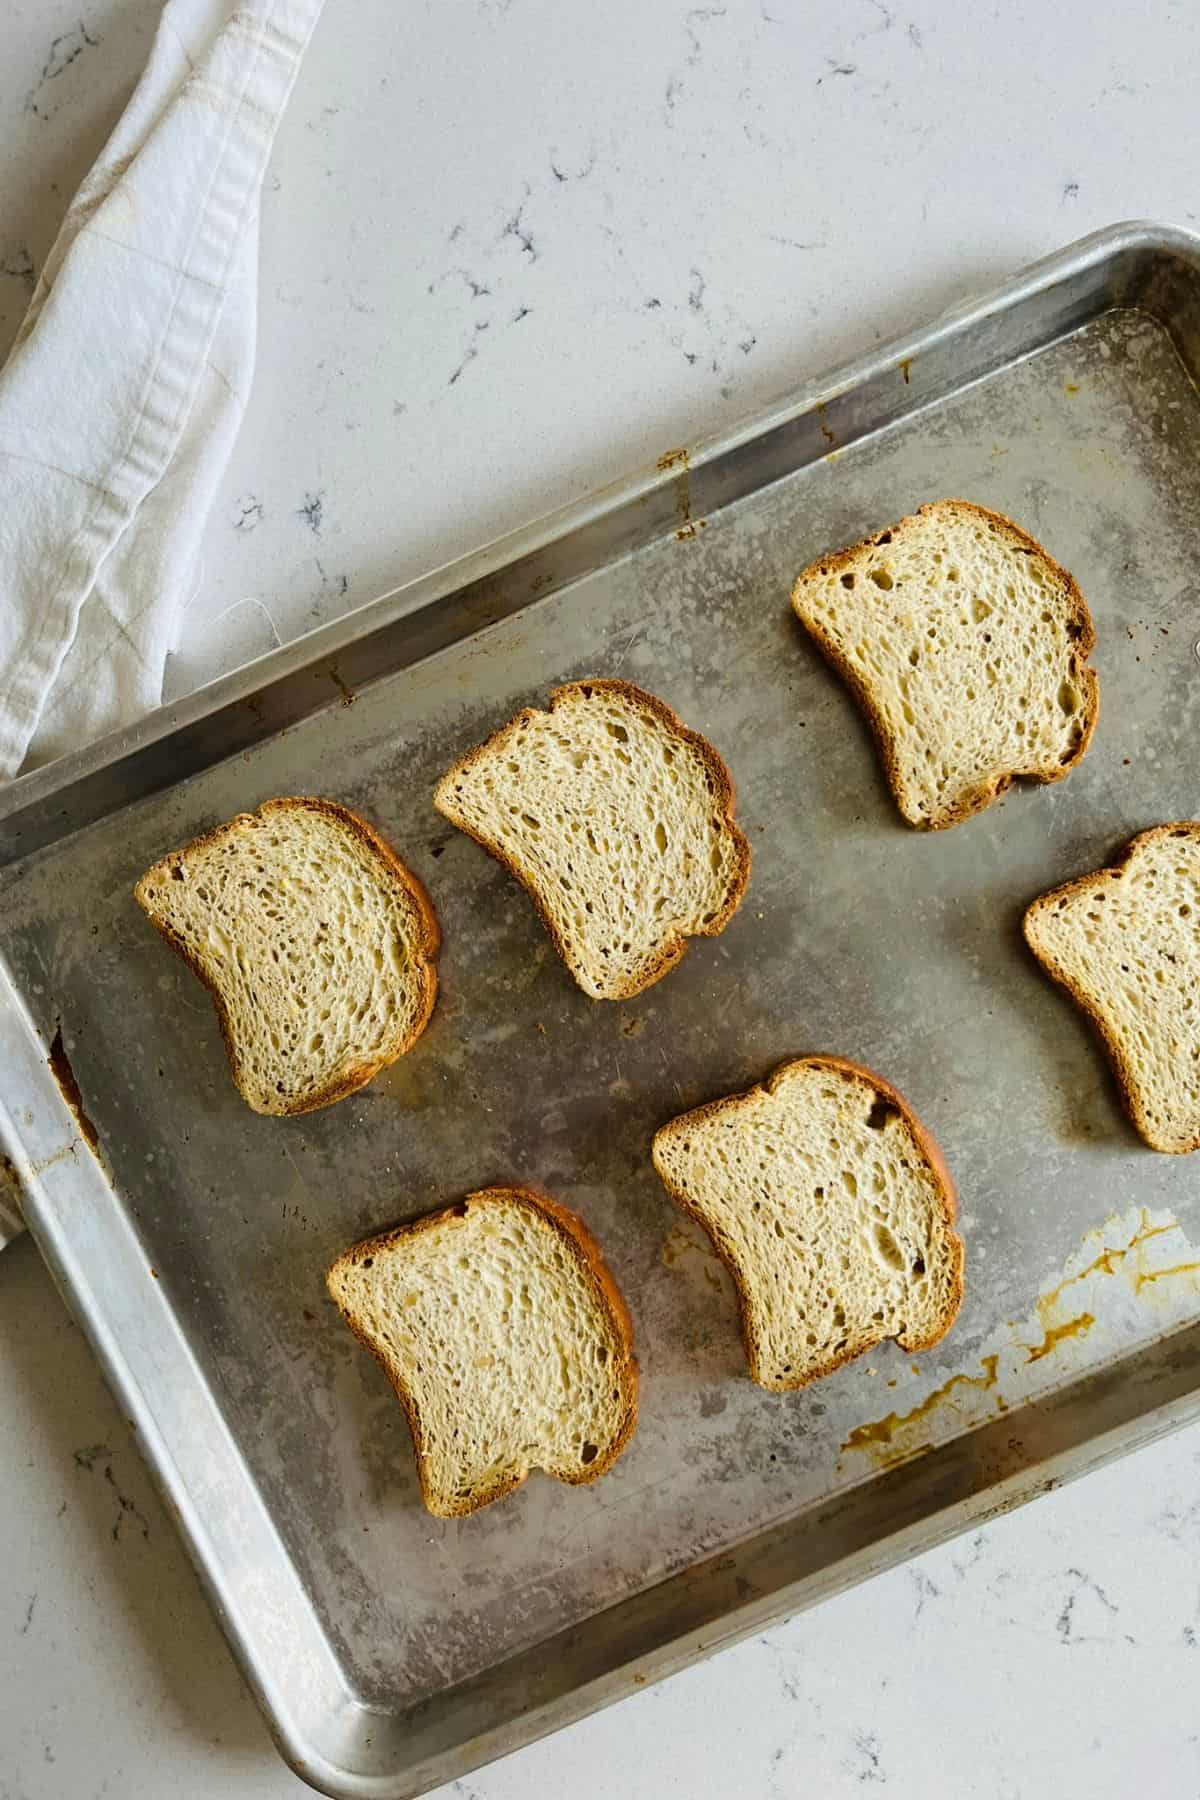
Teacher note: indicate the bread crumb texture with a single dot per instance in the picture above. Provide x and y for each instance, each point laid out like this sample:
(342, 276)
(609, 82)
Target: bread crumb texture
(619, 822)
(506, 1340)
(833, 1210)
(967, 646)
(316, 943)
(1125, 943)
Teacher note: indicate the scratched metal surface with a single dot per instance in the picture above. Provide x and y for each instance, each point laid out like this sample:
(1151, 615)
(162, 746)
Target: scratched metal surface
(858, 936)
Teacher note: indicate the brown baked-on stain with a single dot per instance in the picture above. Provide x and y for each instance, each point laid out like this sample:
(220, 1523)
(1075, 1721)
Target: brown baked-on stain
(1149, 1275)
(1055, 1334)
(878, 1438)
(1108, 1262)
(347, 693)
(1110, 1259)
(678, 462)
(64, 1074)
(906, 369)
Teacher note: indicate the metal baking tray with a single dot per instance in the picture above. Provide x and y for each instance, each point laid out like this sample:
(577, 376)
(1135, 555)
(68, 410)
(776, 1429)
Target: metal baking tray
(391, 1651)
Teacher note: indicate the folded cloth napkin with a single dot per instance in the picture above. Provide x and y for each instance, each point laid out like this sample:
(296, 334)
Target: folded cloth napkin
(121, 397)
(123, 392)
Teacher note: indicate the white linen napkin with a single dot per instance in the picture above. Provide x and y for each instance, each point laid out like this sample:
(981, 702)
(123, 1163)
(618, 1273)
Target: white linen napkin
(122, 395)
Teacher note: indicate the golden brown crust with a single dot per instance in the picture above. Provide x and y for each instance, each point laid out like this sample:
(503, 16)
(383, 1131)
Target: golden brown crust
(723, 789)
(430, 940)
(926, 1143)
(1045, 903)
(1083, 633)
(587, 1253)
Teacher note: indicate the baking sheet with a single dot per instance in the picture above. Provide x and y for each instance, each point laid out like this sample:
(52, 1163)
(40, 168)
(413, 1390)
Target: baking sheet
(857, 937)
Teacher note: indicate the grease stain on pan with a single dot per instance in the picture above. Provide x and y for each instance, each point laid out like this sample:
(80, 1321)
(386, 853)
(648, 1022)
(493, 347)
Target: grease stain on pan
(68, 1086)
(1148, 1276)
(1112, 1257)
(678, 462)
(347, 693)
(684, 1252)
(1057, 1334)
(893, 1438)
(1121, 1271)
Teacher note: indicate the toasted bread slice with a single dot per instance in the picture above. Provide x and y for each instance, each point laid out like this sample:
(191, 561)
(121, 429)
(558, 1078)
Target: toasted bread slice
(619, 822)
(966, 645)
(833, 1209)
(315, 941)
(505, 1338)
(1125, 943)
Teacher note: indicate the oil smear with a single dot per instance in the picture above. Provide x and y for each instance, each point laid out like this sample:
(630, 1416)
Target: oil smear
(1132, 1278)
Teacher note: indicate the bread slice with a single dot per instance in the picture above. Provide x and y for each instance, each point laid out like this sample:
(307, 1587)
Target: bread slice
(1125, 943)
(315, 941)
(966, 645)
(619, 822)
(506, 1339)
(833, 1209)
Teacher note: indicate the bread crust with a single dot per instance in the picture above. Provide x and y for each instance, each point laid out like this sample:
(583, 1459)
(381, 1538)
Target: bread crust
(929, 1148)
(430, 939)
(723, 789)
(1086, 678)
(1122, 1067)
(586, 1252)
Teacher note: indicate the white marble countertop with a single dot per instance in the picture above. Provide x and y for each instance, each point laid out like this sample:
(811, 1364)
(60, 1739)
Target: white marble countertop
(511, 250)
